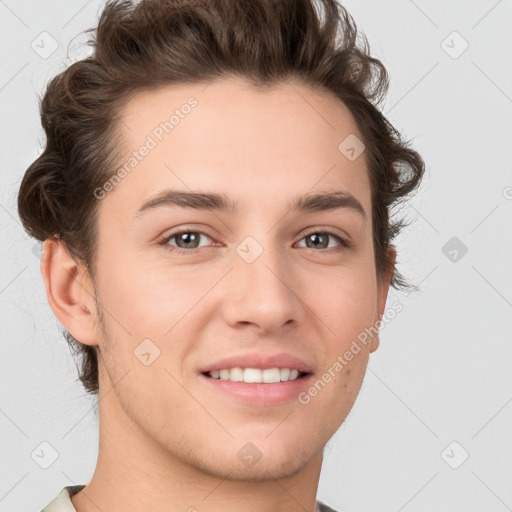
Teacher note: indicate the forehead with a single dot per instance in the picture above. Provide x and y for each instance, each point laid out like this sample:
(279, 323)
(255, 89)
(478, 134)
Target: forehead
(227, 136)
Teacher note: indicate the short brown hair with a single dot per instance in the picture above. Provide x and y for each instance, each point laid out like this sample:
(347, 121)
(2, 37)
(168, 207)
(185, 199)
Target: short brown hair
(153, 43)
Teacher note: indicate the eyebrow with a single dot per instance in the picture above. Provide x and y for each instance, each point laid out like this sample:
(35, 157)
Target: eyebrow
(220, 202)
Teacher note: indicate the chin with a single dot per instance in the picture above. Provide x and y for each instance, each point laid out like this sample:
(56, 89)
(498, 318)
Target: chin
(268, 468)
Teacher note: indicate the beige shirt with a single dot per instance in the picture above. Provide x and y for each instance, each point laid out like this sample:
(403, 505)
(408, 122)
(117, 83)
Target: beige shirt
(63, 503)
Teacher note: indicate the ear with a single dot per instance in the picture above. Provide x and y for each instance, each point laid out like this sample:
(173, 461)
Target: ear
(69, 290)
(383, 285)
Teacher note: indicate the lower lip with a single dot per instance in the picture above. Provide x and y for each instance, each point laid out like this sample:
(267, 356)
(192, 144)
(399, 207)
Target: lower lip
(261, 394)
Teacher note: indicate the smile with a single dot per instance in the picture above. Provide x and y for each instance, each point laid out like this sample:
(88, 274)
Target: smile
(256, 375)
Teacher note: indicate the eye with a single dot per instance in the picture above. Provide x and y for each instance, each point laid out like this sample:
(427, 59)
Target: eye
(187, 240)
(321, 240)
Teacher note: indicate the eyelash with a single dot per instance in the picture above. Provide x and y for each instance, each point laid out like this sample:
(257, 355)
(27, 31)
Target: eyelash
(345, 244)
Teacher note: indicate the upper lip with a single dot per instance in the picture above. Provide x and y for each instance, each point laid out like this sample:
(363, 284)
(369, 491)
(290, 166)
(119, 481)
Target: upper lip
(263, 361)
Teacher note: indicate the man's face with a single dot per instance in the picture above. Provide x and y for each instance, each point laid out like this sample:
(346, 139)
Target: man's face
(264, 279)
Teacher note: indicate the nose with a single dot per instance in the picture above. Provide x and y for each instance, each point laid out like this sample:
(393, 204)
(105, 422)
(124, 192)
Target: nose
(262, 294)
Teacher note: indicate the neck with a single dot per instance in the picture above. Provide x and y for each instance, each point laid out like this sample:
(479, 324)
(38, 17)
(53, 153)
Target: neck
(134, 472)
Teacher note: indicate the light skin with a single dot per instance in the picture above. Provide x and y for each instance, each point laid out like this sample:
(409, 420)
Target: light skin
(167, 441)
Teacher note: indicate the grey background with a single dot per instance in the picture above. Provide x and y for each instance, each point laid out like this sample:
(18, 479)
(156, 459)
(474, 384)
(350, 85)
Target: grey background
(442, 372)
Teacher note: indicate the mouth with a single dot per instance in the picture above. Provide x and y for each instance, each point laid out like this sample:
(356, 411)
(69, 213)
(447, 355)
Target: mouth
(258, 387)
(256, 375)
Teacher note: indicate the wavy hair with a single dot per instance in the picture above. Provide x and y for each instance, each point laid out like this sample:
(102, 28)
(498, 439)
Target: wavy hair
(149, 44)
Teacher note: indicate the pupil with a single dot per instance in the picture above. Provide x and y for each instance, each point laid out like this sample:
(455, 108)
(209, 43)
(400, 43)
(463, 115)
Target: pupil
(188, 238)
(316, 238)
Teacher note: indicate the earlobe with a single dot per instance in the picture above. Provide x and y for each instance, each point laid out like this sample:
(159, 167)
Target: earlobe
(374, 345)
(383, 289)
(69, 291)
(385, 281)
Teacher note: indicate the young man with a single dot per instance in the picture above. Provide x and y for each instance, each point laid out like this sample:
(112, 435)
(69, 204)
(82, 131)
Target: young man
(214, 203)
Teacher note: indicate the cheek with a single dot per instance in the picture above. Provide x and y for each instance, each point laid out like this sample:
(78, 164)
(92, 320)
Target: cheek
(347, 305)
(148, 301)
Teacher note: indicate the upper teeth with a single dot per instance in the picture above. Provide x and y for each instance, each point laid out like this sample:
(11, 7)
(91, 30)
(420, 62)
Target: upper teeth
(267, 376)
